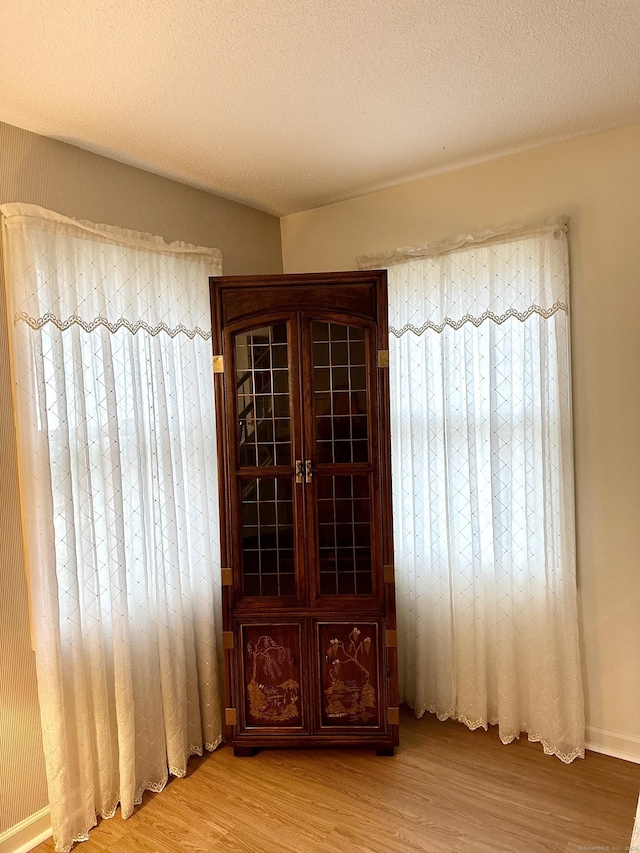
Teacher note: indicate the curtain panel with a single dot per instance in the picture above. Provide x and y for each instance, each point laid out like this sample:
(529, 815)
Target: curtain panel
(482, 467)
(111, 358)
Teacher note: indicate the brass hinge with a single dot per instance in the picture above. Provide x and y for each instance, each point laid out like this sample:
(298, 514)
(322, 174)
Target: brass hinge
(218, 364)
(393, 716)
(389, 574)
(392, 639)
(230, 716)
(227, 639)
(227, 577)
(383, 358)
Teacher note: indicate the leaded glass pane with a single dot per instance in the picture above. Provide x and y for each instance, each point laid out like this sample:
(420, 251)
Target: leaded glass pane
(262, 382)
(344, 535)
(268, 536)
(340, 393)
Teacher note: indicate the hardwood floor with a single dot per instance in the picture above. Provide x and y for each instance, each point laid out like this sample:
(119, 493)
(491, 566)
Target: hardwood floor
(447, 790)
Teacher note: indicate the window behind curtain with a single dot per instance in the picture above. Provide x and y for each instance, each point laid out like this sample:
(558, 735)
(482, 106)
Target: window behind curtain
(118, 470)
(483, 484)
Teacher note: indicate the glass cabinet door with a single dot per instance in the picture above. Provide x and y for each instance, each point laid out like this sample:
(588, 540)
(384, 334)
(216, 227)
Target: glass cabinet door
(264, 448)
(342, 448)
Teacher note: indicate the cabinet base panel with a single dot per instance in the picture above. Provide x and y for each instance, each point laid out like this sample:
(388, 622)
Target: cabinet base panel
(245, 751)
(247, 747)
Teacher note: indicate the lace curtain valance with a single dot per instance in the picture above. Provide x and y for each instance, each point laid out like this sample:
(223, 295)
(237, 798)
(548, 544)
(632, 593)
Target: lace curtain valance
(76, 273)
(495, 275)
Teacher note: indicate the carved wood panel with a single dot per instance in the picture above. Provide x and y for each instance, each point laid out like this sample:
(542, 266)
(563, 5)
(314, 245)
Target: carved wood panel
(349, 674)
(272, 676)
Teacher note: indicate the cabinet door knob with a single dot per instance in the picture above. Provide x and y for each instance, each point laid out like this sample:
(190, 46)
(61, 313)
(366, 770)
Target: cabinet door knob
(298, 470)
(307, 470)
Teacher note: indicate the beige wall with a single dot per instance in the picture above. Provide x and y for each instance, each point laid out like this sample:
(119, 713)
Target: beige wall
(83, 185)
(596, 180)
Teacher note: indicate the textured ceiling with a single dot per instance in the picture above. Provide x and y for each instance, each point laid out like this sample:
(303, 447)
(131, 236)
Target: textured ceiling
(291, 104)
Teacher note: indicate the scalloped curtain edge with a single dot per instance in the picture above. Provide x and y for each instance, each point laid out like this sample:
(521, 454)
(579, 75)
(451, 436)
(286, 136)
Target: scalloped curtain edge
(155, 787)
(121, 323)
(472, 725)
(512, 313)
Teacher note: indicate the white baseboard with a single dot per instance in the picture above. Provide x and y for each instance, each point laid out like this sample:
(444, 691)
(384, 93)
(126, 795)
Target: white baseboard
(616, 744)
(27, 834)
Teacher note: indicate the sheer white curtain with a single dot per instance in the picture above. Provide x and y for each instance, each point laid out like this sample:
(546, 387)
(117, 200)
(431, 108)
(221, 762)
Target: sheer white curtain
(483, 484)
(117, 454)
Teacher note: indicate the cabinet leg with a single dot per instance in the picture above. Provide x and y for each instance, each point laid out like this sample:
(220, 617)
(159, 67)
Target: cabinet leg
(385, 750)
(244, 751)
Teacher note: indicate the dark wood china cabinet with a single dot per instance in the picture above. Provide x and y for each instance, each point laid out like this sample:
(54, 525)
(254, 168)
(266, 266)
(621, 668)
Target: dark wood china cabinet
(303, 430)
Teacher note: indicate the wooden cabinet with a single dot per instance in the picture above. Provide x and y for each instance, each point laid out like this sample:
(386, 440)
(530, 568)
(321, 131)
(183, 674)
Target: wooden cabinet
(303, 432)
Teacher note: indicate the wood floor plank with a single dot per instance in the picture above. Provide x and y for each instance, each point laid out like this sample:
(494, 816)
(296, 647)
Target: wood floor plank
(448, 790)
